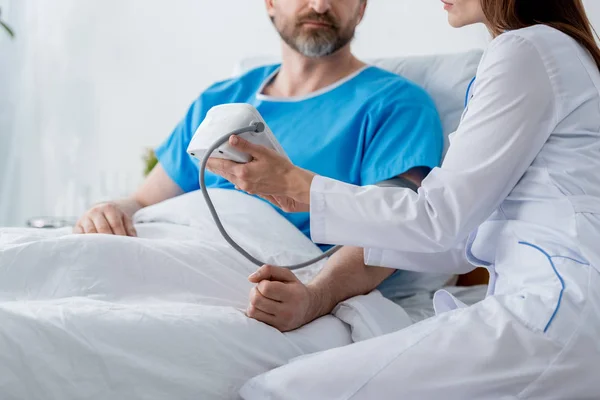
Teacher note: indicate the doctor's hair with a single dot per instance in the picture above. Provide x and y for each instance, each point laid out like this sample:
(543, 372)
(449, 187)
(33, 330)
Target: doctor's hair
(568, 16)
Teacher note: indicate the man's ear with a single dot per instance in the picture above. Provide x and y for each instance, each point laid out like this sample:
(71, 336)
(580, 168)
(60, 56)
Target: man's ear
(270, 4)
(363, 8)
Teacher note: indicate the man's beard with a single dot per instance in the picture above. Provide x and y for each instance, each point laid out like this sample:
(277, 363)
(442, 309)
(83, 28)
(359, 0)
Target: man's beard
(316, 42)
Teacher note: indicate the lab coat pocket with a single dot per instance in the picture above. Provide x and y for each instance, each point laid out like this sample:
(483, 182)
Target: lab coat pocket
(530, 282)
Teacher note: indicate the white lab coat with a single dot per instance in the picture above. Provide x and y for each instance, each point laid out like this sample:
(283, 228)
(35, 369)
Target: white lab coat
(518, 193)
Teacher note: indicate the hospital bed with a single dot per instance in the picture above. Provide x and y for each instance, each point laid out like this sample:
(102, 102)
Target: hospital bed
(161, 316)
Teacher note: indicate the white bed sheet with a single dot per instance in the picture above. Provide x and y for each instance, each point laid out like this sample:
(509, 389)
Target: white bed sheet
(159, 316)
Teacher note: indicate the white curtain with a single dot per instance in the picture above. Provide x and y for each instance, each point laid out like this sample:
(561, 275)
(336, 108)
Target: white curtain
(31, 167)
(11, 58)
(49, 142)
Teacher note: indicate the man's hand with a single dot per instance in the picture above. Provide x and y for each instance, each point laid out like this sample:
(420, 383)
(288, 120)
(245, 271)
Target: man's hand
(115, 217)
(279, 299)
(106, 218)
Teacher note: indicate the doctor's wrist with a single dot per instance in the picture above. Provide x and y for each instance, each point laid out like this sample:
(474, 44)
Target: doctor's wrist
(299, 182)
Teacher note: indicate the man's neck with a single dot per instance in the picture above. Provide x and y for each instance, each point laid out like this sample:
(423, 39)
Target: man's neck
(301, 76)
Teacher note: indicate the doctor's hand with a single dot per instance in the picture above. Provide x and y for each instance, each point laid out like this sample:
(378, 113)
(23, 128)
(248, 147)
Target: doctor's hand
(268, 175)
(287, 204)
(279, 299)
(106, 218)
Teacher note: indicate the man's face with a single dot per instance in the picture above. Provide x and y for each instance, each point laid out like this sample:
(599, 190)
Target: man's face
(316, 28)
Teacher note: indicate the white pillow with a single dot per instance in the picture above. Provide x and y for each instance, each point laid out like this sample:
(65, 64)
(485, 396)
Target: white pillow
(252, 223)
(445, 77)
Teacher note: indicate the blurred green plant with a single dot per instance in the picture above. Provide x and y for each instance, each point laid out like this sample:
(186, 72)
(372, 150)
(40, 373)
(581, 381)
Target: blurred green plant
(150, 161)
(7, 28)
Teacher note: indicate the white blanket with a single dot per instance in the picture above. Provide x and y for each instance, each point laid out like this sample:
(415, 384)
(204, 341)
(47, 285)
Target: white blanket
(160, 316)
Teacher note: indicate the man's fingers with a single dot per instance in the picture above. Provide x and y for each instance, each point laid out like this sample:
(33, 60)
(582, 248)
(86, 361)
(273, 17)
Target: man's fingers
(101, 224)
(260, 302)
(115, 220)
(77, 229)
(271, 273)
(129, 226)
(88, 226)
(261, 316)
(273, 290)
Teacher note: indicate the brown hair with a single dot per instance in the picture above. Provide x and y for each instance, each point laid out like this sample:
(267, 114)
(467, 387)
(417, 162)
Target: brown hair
(568, 16)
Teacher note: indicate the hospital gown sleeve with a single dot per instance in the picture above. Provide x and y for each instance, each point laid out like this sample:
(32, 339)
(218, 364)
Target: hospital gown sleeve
(172, 153)
(509, 119)
(407, 134)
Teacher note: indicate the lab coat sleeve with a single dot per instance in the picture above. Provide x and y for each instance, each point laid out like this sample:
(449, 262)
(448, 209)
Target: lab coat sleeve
(509, 119)
(452, 261)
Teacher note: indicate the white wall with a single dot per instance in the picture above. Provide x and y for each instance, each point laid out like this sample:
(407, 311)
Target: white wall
(100, 80)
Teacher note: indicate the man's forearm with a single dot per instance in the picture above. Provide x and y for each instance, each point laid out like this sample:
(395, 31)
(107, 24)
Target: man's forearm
(129, 205)
(344, 276)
